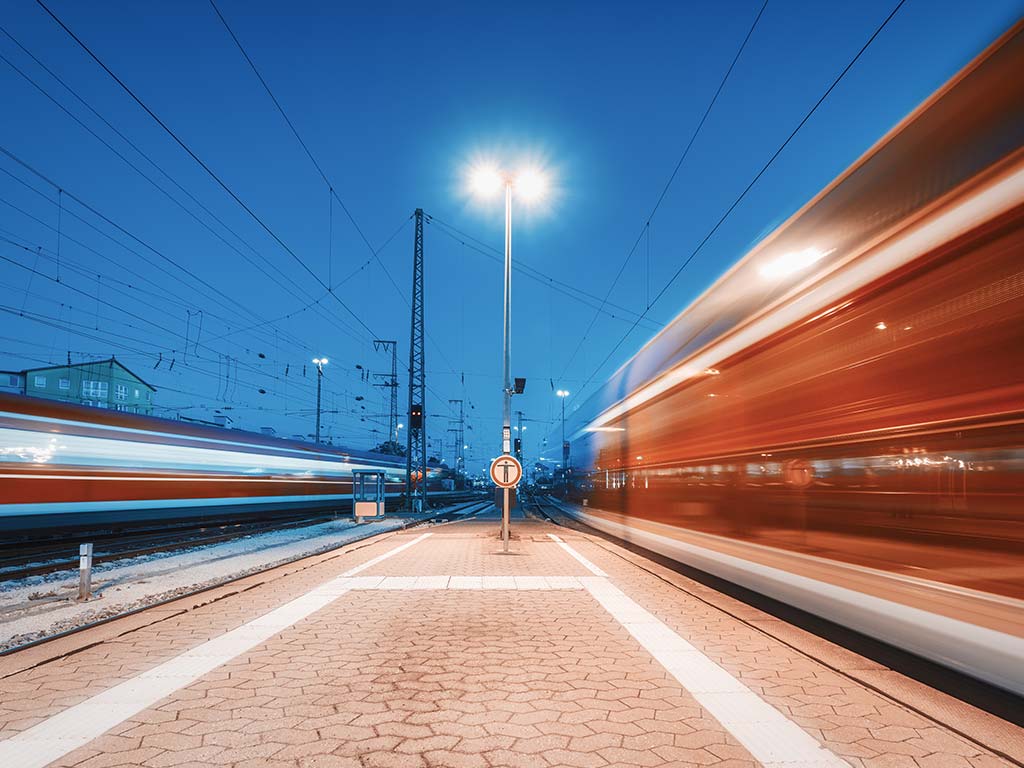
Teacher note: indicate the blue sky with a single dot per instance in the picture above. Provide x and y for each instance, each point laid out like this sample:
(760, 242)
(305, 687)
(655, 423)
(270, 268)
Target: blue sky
(394, 99)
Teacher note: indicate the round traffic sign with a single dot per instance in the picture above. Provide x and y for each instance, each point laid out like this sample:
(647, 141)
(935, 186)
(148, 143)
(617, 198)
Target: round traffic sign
(506, 471)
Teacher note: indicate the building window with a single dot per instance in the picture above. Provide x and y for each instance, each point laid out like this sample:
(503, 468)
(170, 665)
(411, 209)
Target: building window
(95, 390)
(121, 407)
(64, 383)
(121, 391)
(12, 380)
(136, 393)
(40, 382)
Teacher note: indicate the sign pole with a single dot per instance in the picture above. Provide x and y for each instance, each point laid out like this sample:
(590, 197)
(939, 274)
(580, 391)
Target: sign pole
(504, 521)
(506, 472)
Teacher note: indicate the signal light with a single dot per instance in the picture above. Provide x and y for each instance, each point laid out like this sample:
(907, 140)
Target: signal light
(416, 417)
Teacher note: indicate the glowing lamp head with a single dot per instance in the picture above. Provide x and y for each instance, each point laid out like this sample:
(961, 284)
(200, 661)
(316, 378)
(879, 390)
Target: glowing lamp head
(563, 393)
(485, 180)
(531, 184)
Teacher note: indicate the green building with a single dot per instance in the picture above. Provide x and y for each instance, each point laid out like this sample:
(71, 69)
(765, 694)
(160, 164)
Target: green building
(101, 384)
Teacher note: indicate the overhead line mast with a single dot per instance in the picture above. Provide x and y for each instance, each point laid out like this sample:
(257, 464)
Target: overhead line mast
(416, 437)
(391, 382)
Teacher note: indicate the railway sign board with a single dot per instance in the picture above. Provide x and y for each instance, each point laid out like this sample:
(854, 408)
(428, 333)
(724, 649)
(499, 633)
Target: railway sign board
(506, 471)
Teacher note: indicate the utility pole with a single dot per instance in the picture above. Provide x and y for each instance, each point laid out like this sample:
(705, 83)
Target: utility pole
(416, 435)
(460, 459)
(390, 381)
(319, 362)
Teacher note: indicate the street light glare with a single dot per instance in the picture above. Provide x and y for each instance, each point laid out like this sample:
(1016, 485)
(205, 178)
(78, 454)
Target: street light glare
(563, 393)
(531, 184)
(485, 180)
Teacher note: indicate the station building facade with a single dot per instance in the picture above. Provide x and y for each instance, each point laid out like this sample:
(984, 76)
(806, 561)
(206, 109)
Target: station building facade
(101, 384)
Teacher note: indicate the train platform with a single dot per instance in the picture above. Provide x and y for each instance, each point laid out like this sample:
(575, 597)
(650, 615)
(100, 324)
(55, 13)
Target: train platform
(431, 647)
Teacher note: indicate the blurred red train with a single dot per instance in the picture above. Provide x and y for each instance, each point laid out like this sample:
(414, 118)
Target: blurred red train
(65, 465)
(838, 422)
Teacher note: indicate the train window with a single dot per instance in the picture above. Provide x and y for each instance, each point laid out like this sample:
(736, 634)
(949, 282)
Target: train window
(40, 381)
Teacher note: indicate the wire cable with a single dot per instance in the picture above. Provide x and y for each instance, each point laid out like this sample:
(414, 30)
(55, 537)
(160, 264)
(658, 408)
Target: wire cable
(753, 181)
(255, 217)
(645, 229)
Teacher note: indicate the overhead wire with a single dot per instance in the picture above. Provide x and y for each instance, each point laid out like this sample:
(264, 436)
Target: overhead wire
(584, 297)
(283, 275)
(750, 185)
(661, 197)
(209, 171)
(332, 189)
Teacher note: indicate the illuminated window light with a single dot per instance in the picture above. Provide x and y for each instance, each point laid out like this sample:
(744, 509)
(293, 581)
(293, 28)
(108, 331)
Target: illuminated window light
(792, 262)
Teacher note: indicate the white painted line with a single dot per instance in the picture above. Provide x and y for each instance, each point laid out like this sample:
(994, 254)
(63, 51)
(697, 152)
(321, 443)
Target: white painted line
(466, 582)
(531, 582)
(499, 582)
(773, 739)
(440, 583)
(586, 563)
(431, 582)
(78, 725)
(385, 556)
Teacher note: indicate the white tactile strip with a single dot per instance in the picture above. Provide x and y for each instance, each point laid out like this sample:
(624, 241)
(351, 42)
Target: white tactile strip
(772, 739)
(580, 558)
(78, 725)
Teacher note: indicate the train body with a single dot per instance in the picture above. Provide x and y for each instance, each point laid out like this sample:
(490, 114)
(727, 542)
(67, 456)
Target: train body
(838, 422)
(65, 465)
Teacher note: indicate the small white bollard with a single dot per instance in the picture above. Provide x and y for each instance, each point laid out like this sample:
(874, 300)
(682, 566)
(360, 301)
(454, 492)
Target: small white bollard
(84, 572)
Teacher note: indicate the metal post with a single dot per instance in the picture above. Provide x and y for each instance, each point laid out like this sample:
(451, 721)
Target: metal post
(319, 380)
(504, 520)
(506, 428)
(84, 572)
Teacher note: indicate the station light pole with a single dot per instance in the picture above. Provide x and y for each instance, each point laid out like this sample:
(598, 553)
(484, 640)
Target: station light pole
(319, 362)
(529, 184)
(562, 394)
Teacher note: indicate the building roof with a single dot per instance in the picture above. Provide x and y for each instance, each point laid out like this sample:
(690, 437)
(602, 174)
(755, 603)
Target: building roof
(111, 360)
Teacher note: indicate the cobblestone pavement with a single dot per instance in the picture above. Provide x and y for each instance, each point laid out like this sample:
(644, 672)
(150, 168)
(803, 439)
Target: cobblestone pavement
(442, 651)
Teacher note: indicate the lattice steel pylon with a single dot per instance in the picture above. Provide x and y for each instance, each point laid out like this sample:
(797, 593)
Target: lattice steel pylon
(416, 435)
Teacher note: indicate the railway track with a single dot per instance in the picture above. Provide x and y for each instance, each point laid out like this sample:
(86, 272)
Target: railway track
(25, 558)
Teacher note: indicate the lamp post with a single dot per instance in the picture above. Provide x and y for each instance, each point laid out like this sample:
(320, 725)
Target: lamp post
(562, 394)
(319, 362)
(528, 184)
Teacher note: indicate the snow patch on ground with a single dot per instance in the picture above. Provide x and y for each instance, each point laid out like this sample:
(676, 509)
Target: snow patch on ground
(40, 606)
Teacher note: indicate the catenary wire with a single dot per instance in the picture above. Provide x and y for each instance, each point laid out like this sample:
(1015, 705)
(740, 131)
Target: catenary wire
(750, 185)
(675, 171)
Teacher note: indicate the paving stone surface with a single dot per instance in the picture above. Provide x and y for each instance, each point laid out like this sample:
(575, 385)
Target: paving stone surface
(467, 677)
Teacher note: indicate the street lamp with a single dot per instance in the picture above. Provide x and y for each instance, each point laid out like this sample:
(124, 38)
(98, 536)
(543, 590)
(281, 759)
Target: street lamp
(562, 394)
(319, 362)
(400, 426)
(529, 184)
